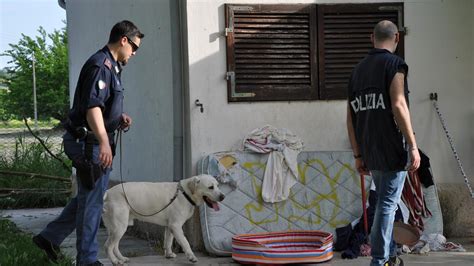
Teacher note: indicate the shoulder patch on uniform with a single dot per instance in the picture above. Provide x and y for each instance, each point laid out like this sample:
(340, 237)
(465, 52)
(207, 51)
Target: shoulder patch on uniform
(101, 84)
(107, 63)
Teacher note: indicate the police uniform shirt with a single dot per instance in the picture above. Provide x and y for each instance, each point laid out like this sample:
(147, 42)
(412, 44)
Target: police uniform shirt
(381, 143)
(99, 85)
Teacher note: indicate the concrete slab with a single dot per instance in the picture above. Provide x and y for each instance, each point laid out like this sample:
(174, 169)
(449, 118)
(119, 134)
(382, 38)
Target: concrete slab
(142, 252)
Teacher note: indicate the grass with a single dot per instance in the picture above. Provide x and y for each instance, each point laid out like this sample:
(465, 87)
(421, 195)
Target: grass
(32, 158)
(15, 123)
(16, 248)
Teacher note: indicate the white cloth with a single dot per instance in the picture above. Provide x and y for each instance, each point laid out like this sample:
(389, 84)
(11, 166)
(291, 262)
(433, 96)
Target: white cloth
(281, 171)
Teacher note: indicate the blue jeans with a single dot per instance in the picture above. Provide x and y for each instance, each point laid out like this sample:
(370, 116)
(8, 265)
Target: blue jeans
(389, 186)
(82, 213)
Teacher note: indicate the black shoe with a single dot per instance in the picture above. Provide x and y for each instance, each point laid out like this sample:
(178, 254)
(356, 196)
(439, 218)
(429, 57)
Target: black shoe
(52, 251)
(394, 261)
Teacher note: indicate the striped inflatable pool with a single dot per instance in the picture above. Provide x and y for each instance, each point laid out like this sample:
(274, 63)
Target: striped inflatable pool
(282, 247)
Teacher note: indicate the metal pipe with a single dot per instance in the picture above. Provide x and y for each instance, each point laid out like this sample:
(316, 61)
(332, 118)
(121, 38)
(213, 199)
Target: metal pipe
(34, 93)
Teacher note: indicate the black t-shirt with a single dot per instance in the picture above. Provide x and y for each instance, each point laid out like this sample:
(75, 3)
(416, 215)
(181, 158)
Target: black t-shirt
(381, 143)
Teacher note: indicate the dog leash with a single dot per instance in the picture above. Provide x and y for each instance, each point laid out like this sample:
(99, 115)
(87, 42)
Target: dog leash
(119, 138)
(434, 98)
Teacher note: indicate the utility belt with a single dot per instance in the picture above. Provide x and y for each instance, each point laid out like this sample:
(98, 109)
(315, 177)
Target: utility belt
(90, 138)
(82, 133)
(87, 170)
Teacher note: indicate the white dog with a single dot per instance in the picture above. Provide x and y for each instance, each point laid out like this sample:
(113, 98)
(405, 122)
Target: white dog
(177, 200)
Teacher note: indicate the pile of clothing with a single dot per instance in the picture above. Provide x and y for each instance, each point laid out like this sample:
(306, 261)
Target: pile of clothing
(352, 241)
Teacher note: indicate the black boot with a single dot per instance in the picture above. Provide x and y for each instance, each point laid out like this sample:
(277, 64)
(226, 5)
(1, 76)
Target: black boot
(52, 251)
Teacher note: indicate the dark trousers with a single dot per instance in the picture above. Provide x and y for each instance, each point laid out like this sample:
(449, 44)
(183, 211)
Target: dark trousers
(83, 212)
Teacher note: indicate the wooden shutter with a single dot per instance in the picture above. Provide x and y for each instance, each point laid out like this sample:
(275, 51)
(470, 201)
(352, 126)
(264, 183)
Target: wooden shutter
(270, 55)
(344, 39)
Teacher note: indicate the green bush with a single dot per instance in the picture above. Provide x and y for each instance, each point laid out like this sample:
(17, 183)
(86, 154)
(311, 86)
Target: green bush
(4, 114)
(10, 123)
(32, 158)
(16, 248)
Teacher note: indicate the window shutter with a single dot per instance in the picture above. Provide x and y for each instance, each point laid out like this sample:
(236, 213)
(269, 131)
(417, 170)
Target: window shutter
(344, 39)
(270, 55)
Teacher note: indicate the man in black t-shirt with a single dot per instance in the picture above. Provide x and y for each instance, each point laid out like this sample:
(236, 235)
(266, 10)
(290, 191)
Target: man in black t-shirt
(381, 134)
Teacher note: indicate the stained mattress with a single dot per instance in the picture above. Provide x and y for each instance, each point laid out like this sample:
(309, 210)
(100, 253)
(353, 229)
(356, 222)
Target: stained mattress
(327, 195)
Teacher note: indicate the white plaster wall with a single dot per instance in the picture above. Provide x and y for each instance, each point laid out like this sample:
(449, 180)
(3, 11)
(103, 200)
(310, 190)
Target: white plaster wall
(148, 79)
(438, 49)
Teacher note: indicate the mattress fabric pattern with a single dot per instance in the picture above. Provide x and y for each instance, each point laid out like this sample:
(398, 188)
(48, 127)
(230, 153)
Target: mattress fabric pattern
(327, 195)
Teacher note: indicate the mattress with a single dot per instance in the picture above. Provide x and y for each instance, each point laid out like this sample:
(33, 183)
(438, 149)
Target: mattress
(327, 195)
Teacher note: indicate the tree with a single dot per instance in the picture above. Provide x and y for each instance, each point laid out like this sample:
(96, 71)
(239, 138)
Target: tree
(52, 78)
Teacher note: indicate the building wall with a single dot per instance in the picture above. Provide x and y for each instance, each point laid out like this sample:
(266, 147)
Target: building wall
(438, 50)
(149, 79)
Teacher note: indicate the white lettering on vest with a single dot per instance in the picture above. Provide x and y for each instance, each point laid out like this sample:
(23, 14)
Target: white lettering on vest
(368, 102)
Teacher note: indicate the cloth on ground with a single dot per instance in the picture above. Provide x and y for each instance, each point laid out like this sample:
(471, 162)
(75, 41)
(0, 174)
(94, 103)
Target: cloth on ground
(350, 239)
(412, 196)
(353, 250)
(281, 171)
(433, 242)
(424, 171)
(438, 242)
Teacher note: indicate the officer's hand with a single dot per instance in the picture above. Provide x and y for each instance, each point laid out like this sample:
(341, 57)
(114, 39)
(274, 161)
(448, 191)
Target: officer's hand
(414, 160)
(126, 121)
(361, 168)
(105, 155)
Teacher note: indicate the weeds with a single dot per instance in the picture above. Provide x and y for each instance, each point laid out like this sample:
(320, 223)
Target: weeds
(18, 123)
(31, 157)
(17, 248)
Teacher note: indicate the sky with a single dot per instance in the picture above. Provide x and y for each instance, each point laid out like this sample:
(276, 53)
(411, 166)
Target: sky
(26, 16)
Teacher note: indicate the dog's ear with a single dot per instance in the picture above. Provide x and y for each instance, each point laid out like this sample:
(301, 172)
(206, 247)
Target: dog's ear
(193, 184)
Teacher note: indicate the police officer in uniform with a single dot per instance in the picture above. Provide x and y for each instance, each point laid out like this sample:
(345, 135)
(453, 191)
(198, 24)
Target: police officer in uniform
(96, 113)
(381, 134)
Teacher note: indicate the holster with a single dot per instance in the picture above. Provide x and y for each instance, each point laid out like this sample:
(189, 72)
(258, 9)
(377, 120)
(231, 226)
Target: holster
(87, 171)
(78, 132)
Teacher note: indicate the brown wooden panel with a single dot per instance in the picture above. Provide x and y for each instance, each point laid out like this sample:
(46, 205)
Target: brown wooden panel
(272, 66)
(272, 52)
(275, 53)
(272, 26)
(272, 31)
(273, 81)
(272, 46)
(344, 39)
(273, 41)
(273, 71)
(257, 20)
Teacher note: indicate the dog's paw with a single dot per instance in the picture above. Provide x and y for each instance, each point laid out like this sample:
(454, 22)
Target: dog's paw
(191, 257)
(170, 255)
(116, 262)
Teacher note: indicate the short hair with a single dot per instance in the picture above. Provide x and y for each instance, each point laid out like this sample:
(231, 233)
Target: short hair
(384, 30)
(124, 28)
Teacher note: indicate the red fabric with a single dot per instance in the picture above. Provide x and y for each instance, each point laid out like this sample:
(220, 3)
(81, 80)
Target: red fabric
(412, 196)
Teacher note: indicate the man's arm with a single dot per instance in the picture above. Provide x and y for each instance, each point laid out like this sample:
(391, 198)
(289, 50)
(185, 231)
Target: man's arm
(402, 117)
(96, 122)
(359, 163)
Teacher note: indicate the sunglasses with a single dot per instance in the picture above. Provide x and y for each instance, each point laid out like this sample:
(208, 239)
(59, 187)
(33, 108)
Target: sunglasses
(134, 45)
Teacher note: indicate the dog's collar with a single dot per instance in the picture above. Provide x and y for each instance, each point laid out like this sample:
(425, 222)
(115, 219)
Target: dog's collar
(185, 194)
